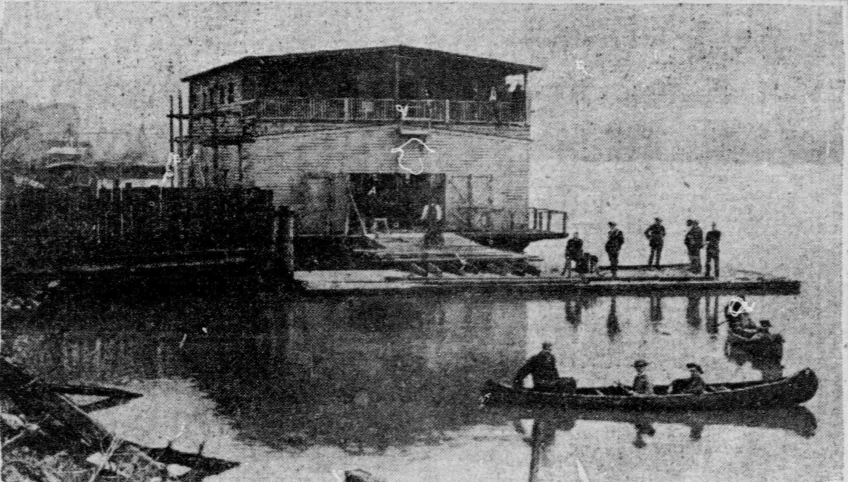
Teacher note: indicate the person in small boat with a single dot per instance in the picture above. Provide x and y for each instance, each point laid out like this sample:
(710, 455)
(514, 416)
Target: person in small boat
(641, 383)
(738, 316)
(694, 384)
(542, 367)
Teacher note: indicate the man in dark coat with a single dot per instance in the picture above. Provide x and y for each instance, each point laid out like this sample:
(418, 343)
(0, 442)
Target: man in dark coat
(431, 216)
(694, 242)
(573, 252)
(655, 234)
(713, 238)
(542, 367)
(615, 239)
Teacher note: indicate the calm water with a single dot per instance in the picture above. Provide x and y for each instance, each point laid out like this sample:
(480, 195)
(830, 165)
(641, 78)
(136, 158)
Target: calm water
(295, 389)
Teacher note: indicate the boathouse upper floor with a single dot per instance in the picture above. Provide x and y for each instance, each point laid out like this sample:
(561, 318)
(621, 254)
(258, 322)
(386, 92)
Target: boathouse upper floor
(369, 85)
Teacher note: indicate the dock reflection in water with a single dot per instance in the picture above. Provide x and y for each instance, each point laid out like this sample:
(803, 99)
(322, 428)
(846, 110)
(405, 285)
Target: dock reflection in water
(364, 375)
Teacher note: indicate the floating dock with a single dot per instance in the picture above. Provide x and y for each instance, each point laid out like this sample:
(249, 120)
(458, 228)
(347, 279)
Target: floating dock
(630, 280)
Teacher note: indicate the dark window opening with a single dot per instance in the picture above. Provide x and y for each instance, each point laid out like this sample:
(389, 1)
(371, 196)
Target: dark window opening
(231, 93)
(397, 198)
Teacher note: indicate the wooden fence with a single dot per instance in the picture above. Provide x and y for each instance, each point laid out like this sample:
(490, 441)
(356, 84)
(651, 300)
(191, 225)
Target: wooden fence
(53, 228)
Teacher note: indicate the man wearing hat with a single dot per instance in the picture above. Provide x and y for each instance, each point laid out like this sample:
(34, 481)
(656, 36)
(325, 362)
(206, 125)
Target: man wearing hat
(694, 241)
(542, 367)
(615, 239)
(655, 234)
(695, 383)
(641, 383)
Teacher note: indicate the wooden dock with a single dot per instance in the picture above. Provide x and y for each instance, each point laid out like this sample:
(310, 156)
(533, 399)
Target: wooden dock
(667, 281)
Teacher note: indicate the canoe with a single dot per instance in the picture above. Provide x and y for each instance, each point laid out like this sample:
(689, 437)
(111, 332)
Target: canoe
(786, 391)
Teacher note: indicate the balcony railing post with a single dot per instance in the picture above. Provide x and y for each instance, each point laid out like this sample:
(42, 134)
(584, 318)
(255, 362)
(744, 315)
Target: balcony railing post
(447, 111)
(564, 222)
(347, 109)
(550, 215)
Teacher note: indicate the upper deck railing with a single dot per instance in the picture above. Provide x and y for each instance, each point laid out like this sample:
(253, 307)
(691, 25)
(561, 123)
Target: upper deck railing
(355, 109)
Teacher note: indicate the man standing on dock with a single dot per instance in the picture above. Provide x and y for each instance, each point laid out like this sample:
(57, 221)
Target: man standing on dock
(655, 234)
(432, 218)
(694, 242)
(713, 238)
(573, 252)
(615, 239)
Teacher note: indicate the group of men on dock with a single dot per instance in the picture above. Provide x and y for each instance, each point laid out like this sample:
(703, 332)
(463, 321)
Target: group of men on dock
(655, 234)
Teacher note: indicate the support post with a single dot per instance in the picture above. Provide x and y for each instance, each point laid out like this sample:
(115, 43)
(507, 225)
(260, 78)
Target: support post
(526, 100)
(550, 215)
(284, 242)
(171, 126)
(564, 222)
(181, 145)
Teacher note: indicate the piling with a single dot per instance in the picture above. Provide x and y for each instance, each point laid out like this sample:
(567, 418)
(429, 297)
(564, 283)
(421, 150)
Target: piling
(284, 232)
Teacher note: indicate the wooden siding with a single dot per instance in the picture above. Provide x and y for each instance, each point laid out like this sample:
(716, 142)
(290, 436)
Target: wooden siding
(495, 169)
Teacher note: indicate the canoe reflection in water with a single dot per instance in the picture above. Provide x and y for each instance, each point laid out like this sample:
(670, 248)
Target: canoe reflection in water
(547, 422)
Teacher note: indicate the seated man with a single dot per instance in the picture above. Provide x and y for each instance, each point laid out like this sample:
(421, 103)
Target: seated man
(641, 383)
(694, 384)
(542, 367)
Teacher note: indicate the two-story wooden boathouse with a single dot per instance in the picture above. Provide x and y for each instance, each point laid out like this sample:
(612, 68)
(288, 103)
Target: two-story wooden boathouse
(371, 134)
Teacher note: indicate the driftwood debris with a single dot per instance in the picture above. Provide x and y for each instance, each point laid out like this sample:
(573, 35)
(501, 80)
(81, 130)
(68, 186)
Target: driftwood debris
(61, 419)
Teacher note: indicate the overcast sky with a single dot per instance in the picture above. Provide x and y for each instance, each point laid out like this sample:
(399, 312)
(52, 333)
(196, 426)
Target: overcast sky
(619, 82)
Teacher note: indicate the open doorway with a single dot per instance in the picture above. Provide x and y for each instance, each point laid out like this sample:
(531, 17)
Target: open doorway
(397, 198)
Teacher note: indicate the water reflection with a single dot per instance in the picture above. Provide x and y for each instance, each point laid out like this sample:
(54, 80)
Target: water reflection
(574, 306)
(361, 374)
(655, 313)
(547, 422)
(693, 311)
(613, 328)
(768, 363)
(711, 308)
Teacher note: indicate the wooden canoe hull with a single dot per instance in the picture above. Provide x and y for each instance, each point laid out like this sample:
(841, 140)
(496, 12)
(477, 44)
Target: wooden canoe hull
(788, 391)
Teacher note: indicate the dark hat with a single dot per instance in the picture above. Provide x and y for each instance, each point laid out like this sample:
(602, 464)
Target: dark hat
(695, 366)
(658, 220)
(640, 363)
(765, 323)
(611, 223)
(689, 222)
(547, 345)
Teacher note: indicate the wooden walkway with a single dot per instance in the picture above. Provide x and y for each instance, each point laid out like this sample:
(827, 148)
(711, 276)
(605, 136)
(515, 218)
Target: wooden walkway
(363, 282)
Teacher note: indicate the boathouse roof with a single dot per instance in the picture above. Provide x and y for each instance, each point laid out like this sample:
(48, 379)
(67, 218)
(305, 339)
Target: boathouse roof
(366, 54)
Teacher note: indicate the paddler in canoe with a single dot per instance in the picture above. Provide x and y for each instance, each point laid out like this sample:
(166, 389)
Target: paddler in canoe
(642, 385)
(542, 367)
(738, 316)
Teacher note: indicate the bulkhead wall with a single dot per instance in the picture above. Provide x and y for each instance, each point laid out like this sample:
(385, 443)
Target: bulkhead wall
(486, 176)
